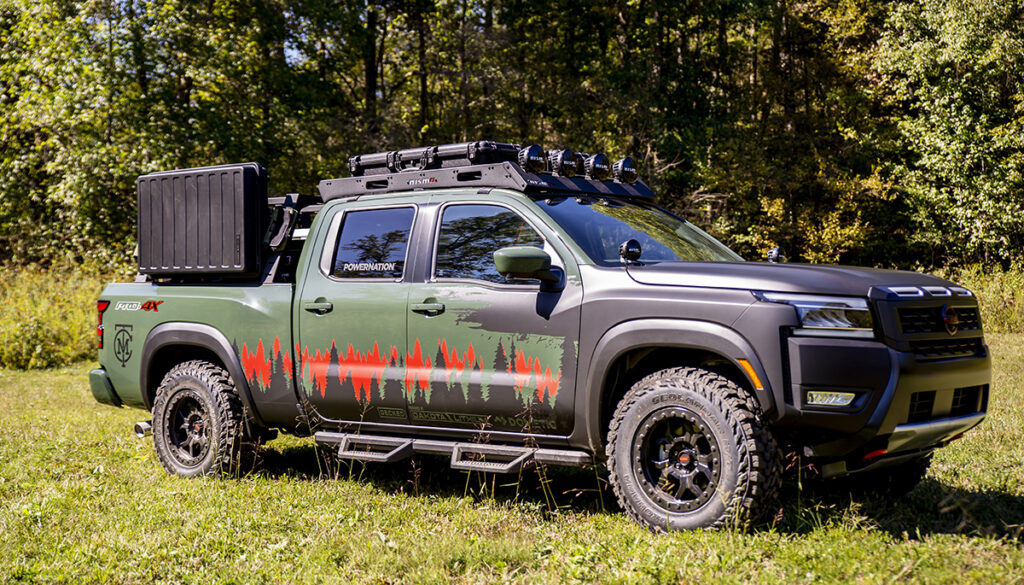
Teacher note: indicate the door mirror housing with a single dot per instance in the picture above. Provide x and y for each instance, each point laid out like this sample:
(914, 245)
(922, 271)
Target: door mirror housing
(528, 262)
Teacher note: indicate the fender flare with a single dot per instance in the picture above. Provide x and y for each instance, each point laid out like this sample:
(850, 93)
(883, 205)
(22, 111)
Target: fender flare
(196, 335)
(640, 333)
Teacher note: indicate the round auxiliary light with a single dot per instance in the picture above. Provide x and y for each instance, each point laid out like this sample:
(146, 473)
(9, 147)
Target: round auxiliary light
(596, 167)
(531, 158)
(562, 162)
(624, 170)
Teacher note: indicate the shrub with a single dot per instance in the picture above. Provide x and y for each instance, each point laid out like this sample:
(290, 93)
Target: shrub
(1000, 293)
(47, 316)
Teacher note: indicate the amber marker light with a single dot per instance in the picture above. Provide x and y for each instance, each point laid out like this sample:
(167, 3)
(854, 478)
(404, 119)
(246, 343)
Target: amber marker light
(749, 369)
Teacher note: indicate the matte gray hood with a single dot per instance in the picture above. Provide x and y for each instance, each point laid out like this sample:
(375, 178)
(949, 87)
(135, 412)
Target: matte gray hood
(797, 278)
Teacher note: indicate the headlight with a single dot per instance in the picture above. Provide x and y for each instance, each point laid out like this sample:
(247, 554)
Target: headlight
(827, 316)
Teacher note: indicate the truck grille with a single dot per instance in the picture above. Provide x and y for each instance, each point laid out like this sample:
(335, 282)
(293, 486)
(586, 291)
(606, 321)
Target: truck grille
(929, 319)
(941, 349)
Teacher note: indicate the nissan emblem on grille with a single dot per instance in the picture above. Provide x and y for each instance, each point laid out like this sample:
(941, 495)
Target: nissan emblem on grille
(950, 319)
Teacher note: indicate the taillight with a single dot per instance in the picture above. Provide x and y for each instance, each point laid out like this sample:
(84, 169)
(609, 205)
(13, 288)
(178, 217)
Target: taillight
(100, 307)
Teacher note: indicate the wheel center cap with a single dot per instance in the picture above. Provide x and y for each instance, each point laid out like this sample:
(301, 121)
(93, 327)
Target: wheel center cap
(683, 458)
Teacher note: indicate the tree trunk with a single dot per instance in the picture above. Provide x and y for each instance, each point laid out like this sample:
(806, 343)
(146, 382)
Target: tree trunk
(370, 71)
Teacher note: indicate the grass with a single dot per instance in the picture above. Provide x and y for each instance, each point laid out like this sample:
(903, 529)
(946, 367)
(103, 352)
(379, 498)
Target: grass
(83, 501)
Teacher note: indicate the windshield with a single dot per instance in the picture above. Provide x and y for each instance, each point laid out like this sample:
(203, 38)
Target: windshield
(600, 224)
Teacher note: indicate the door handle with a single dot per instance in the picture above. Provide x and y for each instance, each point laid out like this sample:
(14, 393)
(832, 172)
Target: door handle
(318, 307)
(427, 308)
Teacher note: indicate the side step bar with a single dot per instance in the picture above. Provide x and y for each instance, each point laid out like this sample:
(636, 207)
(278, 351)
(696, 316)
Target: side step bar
(378, 449)
(465, 456)
(473, 457)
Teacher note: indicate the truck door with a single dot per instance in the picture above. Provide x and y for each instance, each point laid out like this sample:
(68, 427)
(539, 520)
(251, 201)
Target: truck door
(487, 353)
(351, 316)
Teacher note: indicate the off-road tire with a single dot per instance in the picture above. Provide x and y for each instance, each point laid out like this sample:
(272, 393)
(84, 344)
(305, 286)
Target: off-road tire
(199, 422)
(714, 445)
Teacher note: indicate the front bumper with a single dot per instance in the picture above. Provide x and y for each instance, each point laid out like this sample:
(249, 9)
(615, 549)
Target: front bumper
(906, 404)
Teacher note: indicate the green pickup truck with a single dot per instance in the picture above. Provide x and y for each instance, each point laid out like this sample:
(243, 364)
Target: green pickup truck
(507, 306)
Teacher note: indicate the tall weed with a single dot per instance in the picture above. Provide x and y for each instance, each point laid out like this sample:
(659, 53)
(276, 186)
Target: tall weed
(1000, 293)
(47, 316)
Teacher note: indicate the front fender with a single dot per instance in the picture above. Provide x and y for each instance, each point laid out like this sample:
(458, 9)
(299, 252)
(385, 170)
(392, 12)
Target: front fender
(196, 335)
(641, 333)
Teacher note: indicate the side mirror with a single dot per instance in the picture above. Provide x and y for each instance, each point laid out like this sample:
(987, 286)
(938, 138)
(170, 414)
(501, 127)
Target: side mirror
(527, 262)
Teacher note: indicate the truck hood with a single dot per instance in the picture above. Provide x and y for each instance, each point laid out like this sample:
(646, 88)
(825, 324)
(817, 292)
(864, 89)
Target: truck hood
(796, 278)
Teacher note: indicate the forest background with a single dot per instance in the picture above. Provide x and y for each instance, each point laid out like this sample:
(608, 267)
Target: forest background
(887, 133)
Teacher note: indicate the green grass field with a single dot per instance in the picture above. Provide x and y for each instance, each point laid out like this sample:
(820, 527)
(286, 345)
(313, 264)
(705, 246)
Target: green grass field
(83, 501)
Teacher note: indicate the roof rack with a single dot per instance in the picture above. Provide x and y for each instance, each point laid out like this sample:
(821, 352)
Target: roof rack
(482, 164)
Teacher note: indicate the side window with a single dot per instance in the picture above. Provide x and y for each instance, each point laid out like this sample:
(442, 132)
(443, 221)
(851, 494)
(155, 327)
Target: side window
(469, 236)
(372, 243)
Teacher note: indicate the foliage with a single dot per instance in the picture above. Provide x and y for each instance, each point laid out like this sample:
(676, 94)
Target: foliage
(47, 317)
(956, 73)
(86, 502)
(844, 130)
(1000, 293)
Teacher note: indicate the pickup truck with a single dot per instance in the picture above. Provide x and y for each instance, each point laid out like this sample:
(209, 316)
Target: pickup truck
(509, 306)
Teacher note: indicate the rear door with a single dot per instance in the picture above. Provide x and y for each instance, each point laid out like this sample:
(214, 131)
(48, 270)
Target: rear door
(486, 353)
(351, 314)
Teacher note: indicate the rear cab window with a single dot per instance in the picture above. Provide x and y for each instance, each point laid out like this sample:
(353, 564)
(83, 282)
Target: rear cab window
(372, 243)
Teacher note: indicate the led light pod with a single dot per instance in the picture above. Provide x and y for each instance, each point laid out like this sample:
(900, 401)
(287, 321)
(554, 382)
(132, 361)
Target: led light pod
(562, 162)
(624, 170)
(596, 167)
(531, 158)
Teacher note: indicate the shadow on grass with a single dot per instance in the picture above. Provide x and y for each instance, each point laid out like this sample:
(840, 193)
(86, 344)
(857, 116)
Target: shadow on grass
(549, 488)
(931, 508)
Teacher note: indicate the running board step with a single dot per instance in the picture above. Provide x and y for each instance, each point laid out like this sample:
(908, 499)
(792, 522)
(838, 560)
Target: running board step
(467, 456)
(377, 449)
(504, 459)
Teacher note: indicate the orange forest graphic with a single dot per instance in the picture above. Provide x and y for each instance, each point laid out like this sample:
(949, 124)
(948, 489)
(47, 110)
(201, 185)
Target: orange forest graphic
(363, 367)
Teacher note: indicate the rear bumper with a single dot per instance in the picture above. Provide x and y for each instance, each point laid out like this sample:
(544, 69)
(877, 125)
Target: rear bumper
(102, 389)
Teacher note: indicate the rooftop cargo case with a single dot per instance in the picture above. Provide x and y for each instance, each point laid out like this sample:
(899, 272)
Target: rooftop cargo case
(203, 222)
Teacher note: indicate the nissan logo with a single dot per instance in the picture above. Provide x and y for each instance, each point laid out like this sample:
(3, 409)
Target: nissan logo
(950, 319)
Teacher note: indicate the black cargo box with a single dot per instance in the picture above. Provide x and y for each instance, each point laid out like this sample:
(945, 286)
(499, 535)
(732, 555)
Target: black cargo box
(203, 222)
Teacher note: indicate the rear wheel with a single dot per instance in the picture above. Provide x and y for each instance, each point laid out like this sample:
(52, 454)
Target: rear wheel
(686, 449)
(199, 422)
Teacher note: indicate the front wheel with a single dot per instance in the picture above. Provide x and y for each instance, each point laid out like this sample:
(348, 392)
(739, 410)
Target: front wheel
(686, 449)
(198, 422)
